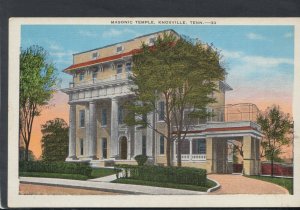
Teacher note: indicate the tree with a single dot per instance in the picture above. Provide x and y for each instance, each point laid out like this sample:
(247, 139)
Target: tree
(277, 128)
(55, 140)
(182, 74)
(37, 81)
(31, 156)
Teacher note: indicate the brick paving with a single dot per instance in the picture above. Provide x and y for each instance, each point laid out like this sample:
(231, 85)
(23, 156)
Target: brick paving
(36, 189)
(238, 184)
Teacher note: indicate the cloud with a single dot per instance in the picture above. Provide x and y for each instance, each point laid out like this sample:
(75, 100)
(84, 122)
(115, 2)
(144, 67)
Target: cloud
(55, 46)
(255, 36)
(115, 32)
(87, 33)
(288, 35)
(256, 61)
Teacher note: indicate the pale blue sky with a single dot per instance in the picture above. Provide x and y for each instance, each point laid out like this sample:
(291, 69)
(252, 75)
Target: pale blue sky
(259, 59)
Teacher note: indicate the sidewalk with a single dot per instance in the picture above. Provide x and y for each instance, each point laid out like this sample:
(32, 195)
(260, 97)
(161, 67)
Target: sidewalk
(103, 185)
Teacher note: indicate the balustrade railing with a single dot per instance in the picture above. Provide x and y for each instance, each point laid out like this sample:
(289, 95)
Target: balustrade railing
(192, 157)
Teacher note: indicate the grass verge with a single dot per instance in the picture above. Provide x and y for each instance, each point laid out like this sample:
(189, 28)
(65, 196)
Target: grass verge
(54, 175)
(96, 173)
(166, 185)
(284, 182)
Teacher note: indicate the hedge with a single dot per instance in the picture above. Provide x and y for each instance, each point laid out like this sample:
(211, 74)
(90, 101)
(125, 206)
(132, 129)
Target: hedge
(178, 175)
(55, 167)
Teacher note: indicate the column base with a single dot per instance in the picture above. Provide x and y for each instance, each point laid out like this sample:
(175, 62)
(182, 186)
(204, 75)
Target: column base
(71, 158)
(94, 157)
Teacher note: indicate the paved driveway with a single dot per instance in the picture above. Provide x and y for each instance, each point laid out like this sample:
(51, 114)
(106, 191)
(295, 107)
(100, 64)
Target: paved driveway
(238, 184)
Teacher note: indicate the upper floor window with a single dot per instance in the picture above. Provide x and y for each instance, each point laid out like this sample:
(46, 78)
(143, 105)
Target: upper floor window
(128, 66)
(104, 117)
(82, 118)
(161, 110)
(151, 41)
(119, 68)
(119, 49)
(81, 76)
(95, 55)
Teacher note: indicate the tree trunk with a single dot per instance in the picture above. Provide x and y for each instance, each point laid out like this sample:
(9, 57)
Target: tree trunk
(179, 154)
(272, 164)
(168, 151)
(26, 152)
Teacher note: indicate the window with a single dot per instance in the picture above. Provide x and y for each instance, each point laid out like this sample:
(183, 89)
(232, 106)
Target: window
(128, 67)
(104, 117)
(82, 118)
(151, 41)
(95, 55)
(121, 115)
(81, 146)
(81, 76)
(104, 148)
(199, 146)
(119, 68)
(161, 112)
(95, 72)
(161, 145)
(119, 49)
(185, 146)
(144, 145)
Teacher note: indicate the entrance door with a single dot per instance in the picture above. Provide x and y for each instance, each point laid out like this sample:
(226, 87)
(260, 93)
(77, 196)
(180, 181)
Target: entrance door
(123, 148)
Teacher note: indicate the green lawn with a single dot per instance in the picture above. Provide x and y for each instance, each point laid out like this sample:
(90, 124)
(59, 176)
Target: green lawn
(100, 172)
(284, 182)
(167, 185)
(96, 173)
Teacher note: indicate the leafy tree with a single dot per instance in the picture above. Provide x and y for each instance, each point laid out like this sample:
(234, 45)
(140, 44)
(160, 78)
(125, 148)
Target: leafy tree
(277, 128)
(37, 81)
(55, 140)
(183, 74)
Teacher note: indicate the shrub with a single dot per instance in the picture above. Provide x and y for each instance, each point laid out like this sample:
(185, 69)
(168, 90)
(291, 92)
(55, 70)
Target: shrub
(141, 159)
(55, 167)
(179, 175)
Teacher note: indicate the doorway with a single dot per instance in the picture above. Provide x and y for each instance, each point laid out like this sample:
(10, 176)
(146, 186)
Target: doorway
(123, 148)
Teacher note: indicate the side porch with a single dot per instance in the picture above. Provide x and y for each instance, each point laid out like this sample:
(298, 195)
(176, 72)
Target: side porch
(213, 146)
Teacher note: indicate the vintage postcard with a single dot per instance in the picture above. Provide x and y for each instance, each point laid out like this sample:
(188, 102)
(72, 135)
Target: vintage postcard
(153, 112)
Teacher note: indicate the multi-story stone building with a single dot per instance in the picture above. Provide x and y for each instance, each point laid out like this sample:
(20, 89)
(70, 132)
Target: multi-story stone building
(98, 133)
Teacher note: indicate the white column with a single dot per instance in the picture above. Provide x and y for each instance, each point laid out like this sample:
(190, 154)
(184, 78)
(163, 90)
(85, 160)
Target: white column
(128, 148)
(92, 130)
(72, 132)
(86, 151)
(175, 150)
(191, 144)
(114, 128)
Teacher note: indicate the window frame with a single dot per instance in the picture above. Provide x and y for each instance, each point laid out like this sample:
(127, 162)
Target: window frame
(81, 76)
(117, 68)
(161, 145)
(161, 111)
(81, 147)
(82, 121)
(144, 145)
(103, 113)
(104, 149)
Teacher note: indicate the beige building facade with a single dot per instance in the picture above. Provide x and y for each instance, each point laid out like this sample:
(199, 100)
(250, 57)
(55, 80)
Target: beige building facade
(99, 135)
